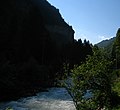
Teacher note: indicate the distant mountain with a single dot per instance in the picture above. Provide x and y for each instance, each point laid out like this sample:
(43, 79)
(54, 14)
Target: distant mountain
(106, 43)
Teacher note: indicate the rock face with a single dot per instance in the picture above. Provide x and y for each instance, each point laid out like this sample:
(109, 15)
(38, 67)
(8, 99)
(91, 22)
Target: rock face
(59, 30)
(60, 34)
(32, 28)
(32, 35)
(29, 21)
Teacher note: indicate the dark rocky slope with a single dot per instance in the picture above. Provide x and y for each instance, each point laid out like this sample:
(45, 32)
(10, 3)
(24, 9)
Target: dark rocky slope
(32, 37)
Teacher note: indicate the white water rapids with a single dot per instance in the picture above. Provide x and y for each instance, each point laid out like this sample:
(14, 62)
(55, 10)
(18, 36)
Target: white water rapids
(54, 99)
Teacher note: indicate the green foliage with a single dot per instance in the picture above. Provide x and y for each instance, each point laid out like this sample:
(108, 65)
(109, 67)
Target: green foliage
(95, 76)
(116, 49)
(116, 86)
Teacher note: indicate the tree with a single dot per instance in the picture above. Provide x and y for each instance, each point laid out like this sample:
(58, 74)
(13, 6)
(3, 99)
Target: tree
(116, 50)
(92, 82)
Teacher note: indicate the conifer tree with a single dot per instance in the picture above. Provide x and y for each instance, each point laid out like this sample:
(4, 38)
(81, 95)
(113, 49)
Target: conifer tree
(116, 50)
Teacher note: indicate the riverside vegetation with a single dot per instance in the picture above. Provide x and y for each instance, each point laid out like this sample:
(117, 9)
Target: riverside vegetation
(98, 76)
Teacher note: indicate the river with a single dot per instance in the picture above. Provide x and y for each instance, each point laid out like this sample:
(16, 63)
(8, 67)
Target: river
(54, 99)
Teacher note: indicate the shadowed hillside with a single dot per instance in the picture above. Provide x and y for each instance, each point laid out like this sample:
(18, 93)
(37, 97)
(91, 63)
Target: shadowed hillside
(32, 33)
(35, 42)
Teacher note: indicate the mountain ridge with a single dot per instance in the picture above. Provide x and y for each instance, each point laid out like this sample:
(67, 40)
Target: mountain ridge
(105, 43)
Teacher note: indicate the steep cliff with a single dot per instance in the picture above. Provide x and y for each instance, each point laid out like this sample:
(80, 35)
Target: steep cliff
(32, 37)
(25, 25)
(59, 30)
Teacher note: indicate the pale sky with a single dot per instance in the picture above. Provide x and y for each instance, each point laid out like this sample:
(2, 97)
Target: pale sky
(94, 20)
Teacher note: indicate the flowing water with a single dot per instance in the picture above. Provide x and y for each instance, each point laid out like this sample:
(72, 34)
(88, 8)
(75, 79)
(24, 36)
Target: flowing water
(54, 99)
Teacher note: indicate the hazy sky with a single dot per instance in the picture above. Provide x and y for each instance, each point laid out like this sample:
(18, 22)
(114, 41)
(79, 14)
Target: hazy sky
(94, 20)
